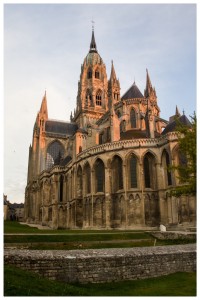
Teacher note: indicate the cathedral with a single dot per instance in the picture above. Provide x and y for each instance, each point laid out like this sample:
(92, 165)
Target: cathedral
(108, 167)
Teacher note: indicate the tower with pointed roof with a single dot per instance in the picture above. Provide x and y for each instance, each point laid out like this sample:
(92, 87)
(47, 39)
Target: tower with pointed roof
(92, 97)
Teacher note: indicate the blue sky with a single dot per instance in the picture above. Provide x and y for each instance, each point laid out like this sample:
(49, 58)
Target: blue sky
(45, 45)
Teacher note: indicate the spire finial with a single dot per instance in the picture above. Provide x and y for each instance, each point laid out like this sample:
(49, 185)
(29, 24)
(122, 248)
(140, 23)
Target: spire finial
(93, 47)
(92, 24)
(183, 112)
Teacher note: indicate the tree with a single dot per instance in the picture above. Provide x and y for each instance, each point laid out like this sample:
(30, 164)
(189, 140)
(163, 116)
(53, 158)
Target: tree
(187, 159)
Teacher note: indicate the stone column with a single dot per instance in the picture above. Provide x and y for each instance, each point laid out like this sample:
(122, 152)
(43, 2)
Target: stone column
(92, 194)
(141, 187)
(161, 194)
(107, 196)
(125, 182)
(55, 203)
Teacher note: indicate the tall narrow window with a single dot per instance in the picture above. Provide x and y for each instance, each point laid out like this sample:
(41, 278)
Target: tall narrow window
(169, 176)
(101, 138)
(99, 98)
(99, 175)
(133, 171)
(61, 189)
(89, 74)
(149, 171)
(87, 179)
(117, 174)
(97, 74)
(133, 118)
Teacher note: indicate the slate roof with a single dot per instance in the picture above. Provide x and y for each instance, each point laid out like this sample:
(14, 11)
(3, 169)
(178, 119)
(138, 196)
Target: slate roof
(133, 92)
(172, 126)
(60, 127)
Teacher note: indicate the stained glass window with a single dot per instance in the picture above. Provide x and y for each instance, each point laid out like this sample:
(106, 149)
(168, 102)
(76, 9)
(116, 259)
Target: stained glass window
(55, 153)
(99, 175)
(133, 171)
(133, 118)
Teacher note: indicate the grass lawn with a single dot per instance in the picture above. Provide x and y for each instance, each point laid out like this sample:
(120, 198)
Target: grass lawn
(24, 283)
(20, 235)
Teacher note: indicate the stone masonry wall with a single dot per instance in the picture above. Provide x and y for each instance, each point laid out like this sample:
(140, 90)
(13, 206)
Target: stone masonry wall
(105, 265)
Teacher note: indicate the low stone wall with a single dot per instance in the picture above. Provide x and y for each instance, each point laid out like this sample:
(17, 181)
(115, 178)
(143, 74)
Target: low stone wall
(105, 265)
(173, 235)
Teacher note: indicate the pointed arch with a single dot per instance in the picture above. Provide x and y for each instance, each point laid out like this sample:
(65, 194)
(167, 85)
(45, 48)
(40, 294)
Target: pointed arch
(149, 170)
(133, 118)
(132, 166)
(87, 176)
(99, 171)
(117, 173)
(55, 152)
(97, 73)
(89, 73)
(99, 98)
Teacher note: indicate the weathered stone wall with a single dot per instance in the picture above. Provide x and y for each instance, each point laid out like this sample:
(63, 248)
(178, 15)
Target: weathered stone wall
(105, 265)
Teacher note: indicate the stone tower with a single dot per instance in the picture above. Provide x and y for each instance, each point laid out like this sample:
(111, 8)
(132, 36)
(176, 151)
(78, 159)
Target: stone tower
(92, 97)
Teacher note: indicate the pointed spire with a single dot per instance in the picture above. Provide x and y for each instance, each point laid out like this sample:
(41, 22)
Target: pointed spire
(43, 108)
(112, 74)
(93, 47)
(148, 82)
(177, 112)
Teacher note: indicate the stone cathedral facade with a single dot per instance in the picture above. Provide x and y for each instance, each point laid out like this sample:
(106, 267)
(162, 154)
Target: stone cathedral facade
(108, 166)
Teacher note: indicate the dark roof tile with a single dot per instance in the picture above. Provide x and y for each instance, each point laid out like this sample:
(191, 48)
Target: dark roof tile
(60, 127)
(172, 126)
(133, 92)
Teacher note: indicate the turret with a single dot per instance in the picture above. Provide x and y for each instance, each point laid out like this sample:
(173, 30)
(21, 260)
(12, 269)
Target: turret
(113, 87)
(149, 92)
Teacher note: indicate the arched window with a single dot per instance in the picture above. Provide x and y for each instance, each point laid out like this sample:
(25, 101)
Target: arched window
(117, 174)
(99, 98)
(99, 175)
(97, 74)
(133, 118)
(87, 179)
(89, 74)
(133, 171)
(149, 171)
(55, 153)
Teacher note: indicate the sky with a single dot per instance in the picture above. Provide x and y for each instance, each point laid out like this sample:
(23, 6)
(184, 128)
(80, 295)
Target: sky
(45, 44)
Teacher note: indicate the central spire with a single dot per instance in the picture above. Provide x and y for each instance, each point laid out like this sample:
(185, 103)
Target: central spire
(93, 47)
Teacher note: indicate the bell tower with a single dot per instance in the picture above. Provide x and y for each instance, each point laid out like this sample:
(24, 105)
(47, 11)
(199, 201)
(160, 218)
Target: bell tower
(92, 96)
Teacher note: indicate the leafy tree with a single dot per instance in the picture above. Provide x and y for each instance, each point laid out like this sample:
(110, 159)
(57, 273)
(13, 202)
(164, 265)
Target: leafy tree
(187, 159)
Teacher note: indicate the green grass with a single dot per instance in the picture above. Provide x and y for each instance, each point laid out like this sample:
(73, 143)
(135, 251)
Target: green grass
(34, 238)
(15, 227)
(24, 283)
